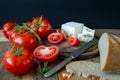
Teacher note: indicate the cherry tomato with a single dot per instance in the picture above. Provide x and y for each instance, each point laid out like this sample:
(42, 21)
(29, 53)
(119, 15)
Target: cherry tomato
(42, 26)
(28, 40)
(55, 38)
(18, 60)
(46, 54)
(73, 41)
(7, 27)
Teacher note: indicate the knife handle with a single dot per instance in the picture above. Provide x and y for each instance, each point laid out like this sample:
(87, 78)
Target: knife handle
(58, 67)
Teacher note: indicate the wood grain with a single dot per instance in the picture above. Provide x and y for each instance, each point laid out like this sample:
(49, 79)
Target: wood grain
(33, 74)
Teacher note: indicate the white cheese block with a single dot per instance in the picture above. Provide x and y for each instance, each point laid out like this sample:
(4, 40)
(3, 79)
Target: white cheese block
(86, 35)
(82, 32)
(72, 28)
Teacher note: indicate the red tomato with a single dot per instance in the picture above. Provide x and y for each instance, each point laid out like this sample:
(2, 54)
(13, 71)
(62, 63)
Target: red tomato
(18, 60)
(55, 38)
(15, 32)
(73, 41)
(42, 26)
(46, 54)
(28, 40)
(7, 27)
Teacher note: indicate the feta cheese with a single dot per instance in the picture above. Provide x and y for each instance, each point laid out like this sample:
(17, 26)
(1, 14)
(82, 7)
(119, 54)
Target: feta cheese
(82, 32)
(86, 35)
(72, 28)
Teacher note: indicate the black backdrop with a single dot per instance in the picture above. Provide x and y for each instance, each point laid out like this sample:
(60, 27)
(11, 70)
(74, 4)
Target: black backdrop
(93, 13)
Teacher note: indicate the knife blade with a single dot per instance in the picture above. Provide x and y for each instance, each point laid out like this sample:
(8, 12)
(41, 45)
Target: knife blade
(74, 55)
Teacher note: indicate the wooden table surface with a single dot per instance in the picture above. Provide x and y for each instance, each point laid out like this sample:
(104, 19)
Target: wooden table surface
(33, 74)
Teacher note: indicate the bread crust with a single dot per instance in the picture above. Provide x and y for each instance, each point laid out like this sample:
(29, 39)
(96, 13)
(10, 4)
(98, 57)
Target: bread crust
(112, 63)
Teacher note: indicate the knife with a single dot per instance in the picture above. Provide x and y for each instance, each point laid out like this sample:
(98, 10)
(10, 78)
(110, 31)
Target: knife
(73, 55)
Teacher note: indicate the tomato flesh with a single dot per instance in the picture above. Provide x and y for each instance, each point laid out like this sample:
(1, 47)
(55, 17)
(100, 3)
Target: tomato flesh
(55, 38)
(46, 54)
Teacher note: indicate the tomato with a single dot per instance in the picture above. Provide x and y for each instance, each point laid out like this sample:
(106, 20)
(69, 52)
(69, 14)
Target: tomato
(55, 38)
(42, 26)
(7, 27)
(28, 40)
(18, 60)
(73, 41)
(46, 54)
(15, 32)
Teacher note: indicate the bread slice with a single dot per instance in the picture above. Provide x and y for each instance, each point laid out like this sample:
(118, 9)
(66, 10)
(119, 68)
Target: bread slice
(109, 48)
(90, 70)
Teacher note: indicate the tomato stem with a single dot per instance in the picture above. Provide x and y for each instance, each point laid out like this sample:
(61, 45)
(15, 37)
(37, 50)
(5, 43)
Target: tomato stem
(32, 31)
(19, 28)
(39, 22)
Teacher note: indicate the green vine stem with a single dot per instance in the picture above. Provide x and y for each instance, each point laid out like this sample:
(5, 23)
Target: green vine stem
(32, 31)
(44, 69)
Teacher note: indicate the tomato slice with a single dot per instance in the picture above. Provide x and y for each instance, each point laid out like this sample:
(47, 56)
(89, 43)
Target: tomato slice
(46, 54)
(73, 41)
(55, 38)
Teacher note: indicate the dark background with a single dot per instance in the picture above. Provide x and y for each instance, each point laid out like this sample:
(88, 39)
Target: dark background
(93, 13)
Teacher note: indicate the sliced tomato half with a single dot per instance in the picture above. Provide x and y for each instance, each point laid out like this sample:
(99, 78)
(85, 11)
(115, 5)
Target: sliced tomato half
(46, 54)
(55, 38)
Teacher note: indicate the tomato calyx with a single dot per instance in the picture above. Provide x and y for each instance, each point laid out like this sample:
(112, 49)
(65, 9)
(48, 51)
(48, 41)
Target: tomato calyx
(19, 28)
(39, 22)
(18, 51)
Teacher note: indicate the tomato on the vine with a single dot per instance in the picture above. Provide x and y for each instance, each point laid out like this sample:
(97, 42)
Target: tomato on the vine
(42, 26)
(73, 40)
(17, 30)
(46, 54)
(7, 27)
(18, 60)
(28, 41)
